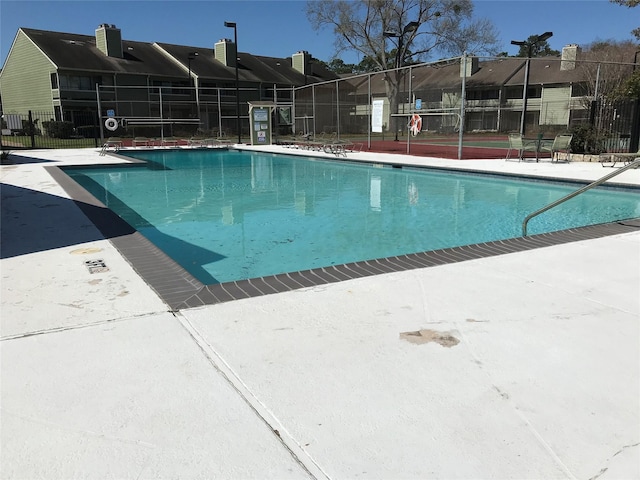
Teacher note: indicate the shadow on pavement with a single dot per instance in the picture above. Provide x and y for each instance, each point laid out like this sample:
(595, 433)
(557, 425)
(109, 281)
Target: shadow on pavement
(22, 159)
(33, 221)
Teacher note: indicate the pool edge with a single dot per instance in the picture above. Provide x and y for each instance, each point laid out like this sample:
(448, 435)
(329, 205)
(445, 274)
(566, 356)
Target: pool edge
(180, 290)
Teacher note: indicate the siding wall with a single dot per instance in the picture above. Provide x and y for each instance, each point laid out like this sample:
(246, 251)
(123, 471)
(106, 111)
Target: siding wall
(25, 82)
(555, 105)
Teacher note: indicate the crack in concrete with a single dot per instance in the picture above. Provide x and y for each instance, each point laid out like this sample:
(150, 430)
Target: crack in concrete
(604, 469)
(76, 326)
(297, 452)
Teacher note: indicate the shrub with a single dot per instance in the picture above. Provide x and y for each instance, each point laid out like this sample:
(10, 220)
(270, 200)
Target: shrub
(4, 157)
(29, 129)
(587, 139)
(57, 129)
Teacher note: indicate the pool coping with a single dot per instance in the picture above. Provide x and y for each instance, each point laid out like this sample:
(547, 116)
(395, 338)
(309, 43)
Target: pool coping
(180, 290)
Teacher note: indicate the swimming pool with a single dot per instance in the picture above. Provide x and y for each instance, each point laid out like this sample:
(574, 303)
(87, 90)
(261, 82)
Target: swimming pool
(228, 215)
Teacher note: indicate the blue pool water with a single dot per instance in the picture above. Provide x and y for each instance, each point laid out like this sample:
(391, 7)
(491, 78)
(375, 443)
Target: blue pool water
(230, 215)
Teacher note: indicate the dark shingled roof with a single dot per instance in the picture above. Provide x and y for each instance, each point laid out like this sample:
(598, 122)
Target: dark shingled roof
(251, 68)
(507, 71)
(70, 51)
(546, 71)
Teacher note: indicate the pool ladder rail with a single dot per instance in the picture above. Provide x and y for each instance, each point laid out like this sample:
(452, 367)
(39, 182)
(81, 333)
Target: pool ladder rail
(634, 164)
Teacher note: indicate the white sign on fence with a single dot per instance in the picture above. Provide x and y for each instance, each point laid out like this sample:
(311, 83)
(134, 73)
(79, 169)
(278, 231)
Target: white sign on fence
(376, 116)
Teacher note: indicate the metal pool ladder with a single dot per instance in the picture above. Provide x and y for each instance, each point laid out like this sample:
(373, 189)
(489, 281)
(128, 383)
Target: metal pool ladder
(634, 164)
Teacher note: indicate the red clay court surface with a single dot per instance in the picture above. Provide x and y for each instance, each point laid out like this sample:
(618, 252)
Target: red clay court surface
(422, 146)
(416, 147)
(445, 146)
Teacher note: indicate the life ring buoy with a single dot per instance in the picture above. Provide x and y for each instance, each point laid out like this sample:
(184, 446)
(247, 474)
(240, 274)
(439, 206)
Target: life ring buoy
(111, 124)
(415, 124)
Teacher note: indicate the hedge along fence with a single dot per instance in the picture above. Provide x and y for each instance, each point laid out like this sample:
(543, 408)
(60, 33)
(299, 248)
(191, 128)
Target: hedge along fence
(31, 130)
(58, 129)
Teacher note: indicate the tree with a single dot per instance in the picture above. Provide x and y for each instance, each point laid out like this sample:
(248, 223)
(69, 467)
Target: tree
(608, 68)
(417, 28)
(538, 49)
(337, 65)
(630, 3)
(367, 64)
(630, 88)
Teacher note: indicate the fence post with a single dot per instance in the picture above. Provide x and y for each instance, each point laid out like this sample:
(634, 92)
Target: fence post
(95, 130)
(32, 130)
(634, 141)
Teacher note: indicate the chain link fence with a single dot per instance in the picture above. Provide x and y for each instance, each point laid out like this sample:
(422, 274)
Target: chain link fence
(463, 116)
(478, 110)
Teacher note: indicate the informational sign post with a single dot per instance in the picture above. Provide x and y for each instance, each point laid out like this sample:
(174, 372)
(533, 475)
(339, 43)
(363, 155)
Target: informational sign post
(377, 111)
(260, 123)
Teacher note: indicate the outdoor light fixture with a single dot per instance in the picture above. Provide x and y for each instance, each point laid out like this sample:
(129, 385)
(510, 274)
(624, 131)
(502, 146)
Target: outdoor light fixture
(409, 27)
(235, 40)
(536, 39)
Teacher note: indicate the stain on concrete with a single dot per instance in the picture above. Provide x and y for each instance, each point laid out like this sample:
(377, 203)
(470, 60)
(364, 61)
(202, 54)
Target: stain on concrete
(504, 395)
(85, 251)
(446, 339)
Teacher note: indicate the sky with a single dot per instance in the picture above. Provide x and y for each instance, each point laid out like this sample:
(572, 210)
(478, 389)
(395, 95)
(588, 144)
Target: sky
(279, 28)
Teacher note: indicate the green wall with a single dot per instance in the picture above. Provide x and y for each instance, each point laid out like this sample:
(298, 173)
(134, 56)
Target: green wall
(25, 81)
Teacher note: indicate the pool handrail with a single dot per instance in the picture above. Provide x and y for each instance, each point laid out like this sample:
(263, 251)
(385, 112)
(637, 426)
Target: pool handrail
(634, 164)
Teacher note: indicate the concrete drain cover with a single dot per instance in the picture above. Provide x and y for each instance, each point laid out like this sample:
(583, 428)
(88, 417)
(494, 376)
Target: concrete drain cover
(96, 266)
(446, 339)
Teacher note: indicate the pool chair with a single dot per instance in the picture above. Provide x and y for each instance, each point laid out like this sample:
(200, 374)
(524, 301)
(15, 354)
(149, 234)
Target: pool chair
(222, 138)
(517, 144)
(561, 146)
(610, 159)
(141, 142)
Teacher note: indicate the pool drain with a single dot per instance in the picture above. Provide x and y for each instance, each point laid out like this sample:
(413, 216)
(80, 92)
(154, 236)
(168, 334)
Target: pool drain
(96, 266)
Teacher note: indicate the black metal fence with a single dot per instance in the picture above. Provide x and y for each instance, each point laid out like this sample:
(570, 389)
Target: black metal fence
(41, 130)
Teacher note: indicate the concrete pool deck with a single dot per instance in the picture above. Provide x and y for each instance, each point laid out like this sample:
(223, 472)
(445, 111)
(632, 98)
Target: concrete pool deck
(524, 365)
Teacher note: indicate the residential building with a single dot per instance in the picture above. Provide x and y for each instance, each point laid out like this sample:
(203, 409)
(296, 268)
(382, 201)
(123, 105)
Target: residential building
(92, 79)
(67, 76)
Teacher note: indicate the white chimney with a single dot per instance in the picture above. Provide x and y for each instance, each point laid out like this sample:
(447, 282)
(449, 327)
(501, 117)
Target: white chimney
(570, 54)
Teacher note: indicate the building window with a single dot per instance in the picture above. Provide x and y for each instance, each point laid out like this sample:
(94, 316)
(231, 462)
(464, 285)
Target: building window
(54, 80)
(579, 90)
(76, 82)
(534, 91)
(57, 112)
(483, 94)
(512, 93)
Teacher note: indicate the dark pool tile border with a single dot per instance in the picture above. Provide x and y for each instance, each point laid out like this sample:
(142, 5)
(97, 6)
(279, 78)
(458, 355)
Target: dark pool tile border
(171, 282)
(225, 292)
(180, 290)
